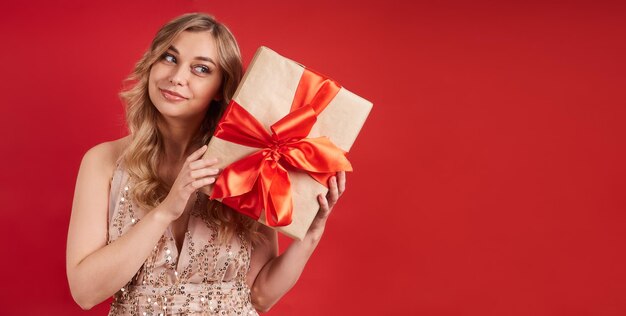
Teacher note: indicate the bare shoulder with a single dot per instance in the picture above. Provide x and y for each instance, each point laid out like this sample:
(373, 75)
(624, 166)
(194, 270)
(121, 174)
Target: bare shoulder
(106, 154)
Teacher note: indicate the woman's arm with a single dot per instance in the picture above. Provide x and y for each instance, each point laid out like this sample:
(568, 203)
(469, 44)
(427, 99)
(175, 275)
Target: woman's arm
(272, 276)
(95, 270)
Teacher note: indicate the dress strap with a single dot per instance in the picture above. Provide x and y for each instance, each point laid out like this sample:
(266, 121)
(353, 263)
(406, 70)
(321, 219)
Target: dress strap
(119, 161)
(118, 179)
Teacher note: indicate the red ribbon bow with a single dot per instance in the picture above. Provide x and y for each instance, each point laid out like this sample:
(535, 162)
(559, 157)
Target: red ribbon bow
(260, 181)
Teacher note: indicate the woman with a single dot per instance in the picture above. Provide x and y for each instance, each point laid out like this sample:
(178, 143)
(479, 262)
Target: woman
(163, 247)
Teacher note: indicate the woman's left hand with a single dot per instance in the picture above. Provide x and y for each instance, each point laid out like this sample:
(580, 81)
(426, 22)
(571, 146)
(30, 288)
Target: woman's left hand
(336, 187)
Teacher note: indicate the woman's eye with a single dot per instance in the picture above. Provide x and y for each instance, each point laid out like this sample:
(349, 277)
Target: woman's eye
(202, 69)
(169, 58)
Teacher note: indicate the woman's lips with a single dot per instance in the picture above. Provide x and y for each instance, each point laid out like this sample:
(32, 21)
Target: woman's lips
(172, 96)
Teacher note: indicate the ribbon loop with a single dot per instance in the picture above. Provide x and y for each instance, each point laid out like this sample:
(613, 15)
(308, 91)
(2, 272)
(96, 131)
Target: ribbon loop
(295, 125)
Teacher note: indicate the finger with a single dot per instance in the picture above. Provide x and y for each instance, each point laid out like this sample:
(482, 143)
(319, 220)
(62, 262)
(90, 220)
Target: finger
(201, 163)
(341, 182)
(205, 172)
(333, 192)
(197, 154)
(197, 184)
(324, 208)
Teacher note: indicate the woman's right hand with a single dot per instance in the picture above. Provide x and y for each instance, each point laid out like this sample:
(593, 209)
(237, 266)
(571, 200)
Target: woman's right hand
(195, 174)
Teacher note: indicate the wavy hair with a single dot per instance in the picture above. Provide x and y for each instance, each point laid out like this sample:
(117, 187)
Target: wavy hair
(145, 151)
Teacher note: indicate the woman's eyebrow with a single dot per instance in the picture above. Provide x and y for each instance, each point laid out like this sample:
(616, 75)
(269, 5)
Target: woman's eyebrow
(207, 59)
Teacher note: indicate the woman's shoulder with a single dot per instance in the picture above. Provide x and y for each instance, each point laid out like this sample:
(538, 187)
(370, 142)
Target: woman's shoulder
(109, 151)
(107, 154)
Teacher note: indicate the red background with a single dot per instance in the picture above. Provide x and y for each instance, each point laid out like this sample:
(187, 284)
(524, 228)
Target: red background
(489, 176)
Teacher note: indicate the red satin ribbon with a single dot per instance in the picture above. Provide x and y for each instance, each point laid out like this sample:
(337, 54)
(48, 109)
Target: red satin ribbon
(260, 181)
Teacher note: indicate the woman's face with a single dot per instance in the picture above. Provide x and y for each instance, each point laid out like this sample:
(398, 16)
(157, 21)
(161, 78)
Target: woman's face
(186, 78)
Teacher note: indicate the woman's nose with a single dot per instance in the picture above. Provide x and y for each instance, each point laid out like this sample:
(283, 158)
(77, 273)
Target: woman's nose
(178, 76)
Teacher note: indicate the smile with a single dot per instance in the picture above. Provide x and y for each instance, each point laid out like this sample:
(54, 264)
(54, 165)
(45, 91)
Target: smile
(172, 96)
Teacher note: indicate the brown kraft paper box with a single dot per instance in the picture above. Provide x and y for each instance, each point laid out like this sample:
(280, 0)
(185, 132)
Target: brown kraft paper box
(266, 91)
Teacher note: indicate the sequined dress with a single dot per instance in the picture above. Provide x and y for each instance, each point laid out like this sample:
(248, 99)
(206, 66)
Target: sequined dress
(206, 278)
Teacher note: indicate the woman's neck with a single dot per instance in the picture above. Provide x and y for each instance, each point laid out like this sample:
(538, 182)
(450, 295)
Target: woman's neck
(179, 140)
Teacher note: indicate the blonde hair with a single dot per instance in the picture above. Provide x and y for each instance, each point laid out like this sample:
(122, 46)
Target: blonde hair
(145, 151)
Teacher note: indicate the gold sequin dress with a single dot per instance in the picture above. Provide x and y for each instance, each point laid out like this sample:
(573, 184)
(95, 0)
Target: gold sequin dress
(206, 278)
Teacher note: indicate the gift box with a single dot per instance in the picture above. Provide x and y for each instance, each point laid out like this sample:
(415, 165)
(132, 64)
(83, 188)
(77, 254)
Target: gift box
(285, 132)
